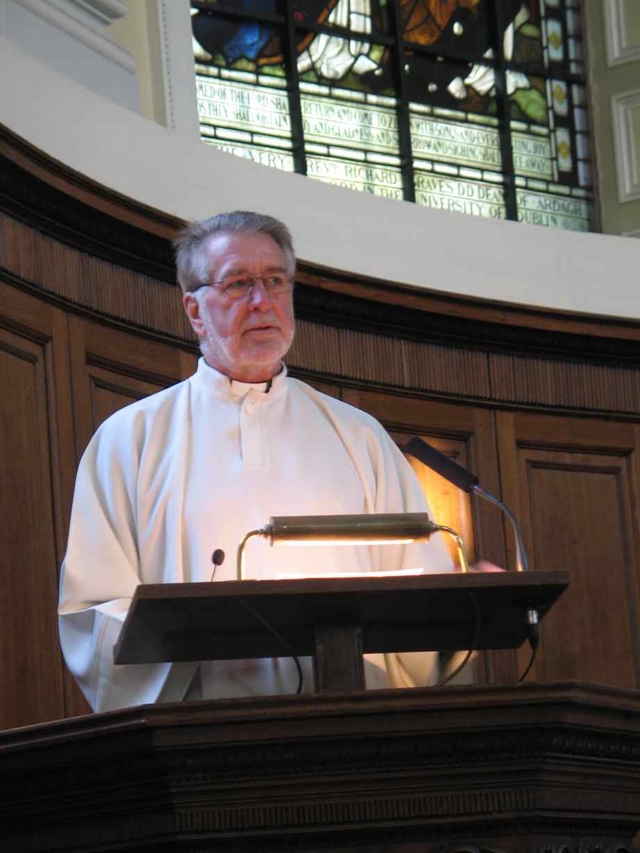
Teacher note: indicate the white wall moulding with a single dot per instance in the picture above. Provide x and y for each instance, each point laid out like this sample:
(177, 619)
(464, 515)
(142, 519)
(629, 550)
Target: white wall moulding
(626, 132)
(622, 39)
(178, 76)
(69, 36)
(100, 12)
(83, 21)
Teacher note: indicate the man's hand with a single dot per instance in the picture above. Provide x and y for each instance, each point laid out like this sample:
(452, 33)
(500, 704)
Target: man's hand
(482, 566)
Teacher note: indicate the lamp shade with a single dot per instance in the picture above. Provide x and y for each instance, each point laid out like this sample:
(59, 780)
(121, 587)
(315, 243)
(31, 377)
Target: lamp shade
(350, 529)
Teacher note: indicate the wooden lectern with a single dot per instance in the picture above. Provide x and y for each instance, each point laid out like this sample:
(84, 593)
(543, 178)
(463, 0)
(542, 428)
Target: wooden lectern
(335, 620)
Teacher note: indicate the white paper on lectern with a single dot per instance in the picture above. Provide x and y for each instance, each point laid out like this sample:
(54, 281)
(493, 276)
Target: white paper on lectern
(398, 573)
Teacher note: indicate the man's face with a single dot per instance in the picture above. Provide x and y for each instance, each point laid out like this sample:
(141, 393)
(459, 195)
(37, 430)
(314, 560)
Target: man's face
(245, 339)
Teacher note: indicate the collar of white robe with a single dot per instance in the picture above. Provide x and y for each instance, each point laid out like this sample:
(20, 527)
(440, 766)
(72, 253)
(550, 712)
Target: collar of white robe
(368, 529)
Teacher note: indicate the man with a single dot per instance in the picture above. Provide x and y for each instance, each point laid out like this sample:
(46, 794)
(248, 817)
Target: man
(169, 479)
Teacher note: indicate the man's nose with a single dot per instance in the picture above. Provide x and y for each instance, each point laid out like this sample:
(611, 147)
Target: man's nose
(260, 296)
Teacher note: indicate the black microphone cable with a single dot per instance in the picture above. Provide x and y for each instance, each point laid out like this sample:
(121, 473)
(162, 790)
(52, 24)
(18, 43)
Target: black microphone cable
(472, 648)
(217, 558)
(285, 643)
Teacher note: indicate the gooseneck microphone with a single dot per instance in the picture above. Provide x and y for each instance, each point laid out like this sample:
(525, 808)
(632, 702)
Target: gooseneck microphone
(441, 464)
(217, 558)
(470, 483)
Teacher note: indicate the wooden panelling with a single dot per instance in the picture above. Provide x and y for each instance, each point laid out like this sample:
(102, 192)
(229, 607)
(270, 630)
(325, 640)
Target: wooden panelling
(370, 358)
(574, 484)
(61, 377)
(91, 282)
(564, 384)
(36, 453)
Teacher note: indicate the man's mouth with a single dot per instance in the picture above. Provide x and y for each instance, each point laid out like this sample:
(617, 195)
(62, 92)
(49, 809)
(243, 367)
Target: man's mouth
(267, 327)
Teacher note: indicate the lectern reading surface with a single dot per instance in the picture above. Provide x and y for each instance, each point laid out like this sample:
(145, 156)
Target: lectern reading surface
(335, 620)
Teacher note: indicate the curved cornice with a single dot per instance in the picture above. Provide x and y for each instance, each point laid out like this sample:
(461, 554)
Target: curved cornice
(64, 205)
(58, 202)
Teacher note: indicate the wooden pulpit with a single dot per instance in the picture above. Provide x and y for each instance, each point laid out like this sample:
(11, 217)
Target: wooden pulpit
(531, 768)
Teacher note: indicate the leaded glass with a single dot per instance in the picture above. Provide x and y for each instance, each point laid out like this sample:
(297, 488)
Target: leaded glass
(358, 16)
(476, 106)
(455, 28)
(334, 61)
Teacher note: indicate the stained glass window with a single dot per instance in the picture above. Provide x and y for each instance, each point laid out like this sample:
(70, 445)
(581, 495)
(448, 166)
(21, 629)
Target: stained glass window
(475, 106)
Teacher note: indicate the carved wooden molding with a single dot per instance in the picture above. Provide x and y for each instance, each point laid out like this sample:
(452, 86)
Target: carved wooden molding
(79, 245)
(484, 768)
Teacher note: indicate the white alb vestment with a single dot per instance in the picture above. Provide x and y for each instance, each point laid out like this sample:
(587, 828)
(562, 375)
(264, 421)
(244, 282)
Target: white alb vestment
(193, 468)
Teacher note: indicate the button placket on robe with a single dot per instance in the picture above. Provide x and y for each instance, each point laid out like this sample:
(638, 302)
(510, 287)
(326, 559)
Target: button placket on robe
(251, 439)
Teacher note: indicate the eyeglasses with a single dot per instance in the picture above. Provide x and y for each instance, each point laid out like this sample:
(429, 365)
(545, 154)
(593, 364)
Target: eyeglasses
(242, 286)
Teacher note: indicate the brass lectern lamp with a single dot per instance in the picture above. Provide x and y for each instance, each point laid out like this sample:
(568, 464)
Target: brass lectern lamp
(376, 529)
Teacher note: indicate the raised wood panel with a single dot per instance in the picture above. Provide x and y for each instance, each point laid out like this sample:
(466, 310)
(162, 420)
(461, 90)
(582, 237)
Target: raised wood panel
(111, 391)
(576, 487)
(112, 368)
(36, 454)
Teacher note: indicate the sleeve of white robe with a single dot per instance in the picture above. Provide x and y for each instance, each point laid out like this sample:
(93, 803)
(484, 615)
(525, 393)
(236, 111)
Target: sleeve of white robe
(99, 576)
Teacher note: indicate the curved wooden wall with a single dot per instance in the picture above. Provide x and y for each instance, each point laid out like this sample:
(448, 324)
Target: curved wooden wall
(544, 406)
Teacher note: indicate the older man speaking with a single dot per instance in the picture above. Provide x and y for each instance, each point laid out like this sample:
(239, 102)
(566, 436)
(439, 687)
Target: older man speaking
(169, 479)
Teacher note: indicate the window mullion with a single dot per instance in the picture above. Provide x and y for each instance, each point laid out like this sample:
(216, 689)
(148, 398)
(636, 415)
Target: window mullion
(295, 104)
(503, 108)
(402, 107)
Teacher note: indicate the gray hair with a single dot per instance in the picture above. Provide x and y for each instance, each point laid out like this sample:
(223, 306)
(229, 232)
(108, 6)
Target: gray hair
(190, 245)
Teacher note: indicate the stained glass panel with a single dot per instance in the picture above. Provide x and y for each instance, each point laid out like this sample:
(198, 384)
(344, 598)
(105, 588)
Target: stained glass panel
(450, 189)
(525, 35)
(366, 174)
(350, 131)
(360, 125)
(476, 106)
(358, 16)
(452, 137)
(361, 66)
(553, 210)
(436, 82)
(453, 28)
(247, 7)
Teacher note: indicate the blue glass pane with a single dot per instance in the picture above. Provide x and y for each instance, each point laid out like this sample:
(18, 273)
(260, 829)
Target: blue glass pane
(226, 43)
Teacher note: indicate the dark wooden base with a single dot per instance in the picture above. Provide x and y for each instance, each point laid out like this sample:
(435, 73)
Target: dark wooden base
(535, 768)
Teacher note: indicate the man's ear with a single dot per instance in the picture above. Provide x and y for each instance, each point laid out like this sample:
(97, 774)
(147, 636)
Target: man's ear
(192, 309)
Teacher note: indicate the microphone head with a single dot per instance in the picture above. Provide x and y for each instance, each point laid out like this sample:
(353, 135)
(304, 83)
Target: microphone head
(217, 558)
(441, 464)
